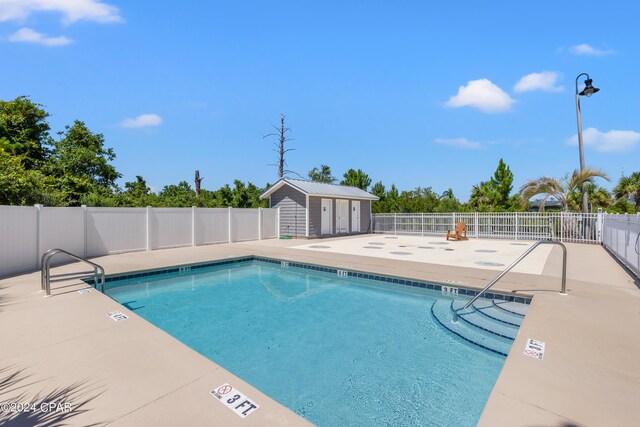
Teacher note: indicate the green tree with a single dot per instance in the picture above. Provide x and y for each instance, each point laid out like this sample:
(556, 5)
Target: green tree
(378, 189)
(137, 188)
(484, 197)
(494, 195)
(392, 200)
(418, 200)
(224, 196)
(502, 182)
(179, 196)
(245, 196)
(21, 186)
(628, 188)
(322, 174)
(447, 194)
(559, 190)
(356, 178)
(448, 203)
(80, 163)
(24, 131)
(136, 194)
(380, 205)
(599, 197)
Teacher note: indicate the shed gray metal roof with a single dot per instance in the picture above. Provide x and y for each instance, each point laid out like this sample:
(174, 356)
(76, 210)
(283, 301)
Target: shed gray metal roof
(320, 189)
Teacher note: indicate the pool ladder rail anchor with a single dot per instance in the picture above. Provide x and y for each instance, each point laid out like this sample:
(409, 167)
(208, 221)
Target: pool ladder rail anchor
(46, 278)
(563, 289)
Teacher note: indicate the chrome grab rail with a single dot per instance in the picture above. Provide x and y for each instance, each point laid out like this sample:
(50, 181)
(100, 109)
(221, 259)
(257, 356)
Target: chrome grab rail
(563, 290)
(46, 277)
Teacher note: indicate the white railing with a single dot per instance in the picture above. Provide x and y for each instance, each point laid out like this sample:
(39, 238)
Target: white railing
(621, 236)
(28, 232)
(560, 226)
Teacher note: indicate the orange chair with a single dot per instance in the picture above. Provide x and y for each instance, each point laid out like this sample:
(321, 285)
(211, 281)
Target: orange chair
(460, 233)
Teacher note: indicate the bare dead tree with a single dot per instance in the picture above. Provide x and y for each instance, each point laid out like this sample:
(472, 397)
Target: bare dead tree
(198, 181)
(280, 147)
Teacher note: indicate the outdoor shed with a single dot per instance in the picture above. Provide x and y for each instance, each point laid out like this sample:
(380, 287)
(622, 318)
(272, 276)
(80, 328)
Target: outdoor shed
(314, 209)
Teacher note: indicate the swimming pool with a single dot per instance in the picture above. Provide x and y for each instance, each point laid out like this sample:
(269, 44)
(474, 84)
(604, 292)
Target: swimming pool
(336, 350)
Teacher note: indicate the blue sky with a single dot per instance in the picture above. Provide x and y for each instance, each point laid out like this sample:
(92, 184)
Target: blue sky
(414, 93)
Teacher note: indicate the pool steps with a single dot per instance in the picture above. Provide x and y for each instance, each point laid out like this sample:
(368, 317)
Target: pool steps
(489, 324)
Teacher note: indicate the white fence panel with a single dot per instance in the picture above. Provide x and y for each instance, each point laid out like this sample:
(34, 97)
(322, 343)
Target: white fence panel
(269, 227)
(27, 232)
(621, 236)
(244, 224)
(62, 228)
(114, 230)
(170, 227)
(563, 226)
(18, 239)
(212, 225)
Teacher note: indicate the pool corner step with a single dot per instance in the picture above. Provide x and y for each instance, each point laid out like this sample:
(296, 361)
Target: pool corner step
(514, 308)
(444, 315)
(488, 315)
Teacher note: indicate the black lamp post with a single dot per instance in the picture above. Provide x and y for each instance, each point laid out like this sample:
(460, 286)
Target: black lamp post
(587, 91)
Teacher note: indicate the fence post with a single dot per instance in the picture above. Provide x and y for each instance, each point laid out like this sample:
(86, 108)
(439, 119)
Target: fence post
(193, 226)
(477, 225)
(230, 216)
(422, 224)
(627, 231)
(278, 223)
(516, 225)
(84, 223)
(259, 223)
(395, 223)
(453, 217)
(599, 219)
(148, 228)
(38, 235)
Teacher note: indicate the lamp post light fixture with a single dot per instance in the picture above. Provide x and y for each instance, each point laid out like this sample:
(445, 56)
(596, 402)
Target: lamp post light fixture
(587, 91)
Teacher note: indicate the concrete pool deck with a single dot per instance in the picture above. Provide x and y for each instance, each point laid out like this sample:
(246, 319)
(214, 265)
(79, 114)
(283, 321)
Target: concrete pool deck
(131, 373)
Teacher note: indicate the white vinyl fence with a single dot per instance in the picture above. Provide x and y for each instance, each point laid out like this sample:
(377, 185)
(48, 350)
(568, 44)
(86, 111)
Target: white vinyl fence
(562, 226)
(28, 232)
(621, 237)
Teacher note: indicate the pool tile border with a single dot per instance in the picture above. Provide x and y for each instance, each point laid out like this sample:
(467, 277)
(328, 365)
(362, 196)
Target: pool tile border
(348, 273)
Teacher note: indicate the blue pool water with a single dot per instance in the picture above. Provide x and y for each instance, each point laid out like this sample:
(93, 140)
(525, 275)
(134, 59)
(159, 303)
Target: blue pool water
(338, 351)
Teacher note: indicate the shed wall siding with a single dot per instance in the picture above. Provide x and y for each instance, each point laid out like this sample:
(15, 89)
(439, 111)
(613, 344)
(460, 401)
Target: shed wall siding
(315, 216)
(292, 211)
(365, 216)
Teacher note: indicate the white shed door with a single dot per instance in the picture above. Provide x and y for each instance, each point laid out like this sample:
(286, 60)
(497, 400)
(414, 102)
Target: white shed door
(342, 216)
(325, 216)
(355, 216)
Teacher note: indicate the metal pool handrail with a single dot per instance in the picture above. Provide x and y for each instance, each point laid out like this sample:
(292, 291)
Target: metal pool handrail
(46, 277)
(563, 290)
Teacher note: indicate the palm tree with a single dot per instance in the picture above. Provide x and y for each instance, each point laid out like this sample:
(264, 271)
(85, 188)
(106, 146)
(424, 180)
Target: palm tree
(629, 188)
(559, 190)
(599, 197)
(447, 194)
(484, 197)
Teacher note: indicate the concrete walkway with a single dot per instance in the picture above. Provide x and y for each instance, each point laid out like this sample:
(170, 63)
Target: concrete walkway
(131, 373)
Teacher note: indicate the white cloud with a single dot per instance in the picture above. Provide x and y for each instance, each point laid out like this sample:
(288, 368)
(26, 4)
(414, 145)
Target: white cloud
(459, 142)
(588, 50)
(27, 35)
(71, 10)
(545, 81)
(608, 142)
(483, 95)
(142, 121)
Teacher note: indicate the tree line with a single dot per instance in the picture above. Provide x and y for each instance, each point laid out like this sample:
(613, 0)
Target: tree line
(74, 167)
